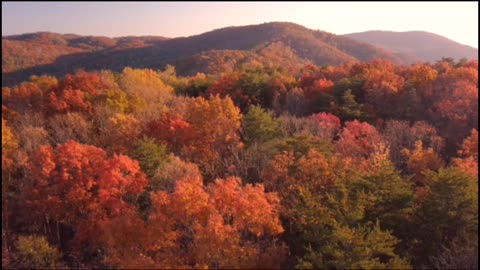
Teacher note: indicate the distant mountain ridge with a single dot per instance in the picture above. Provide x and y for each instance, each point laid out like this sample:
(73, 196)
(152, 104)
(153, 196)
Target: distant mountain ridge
(275, 43)
(33, 49)
(83, 42)
(422, 45)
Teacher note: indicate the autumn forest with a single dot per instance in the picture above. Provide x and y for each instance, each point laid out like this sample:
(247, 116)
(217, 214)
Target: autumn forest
(362, 165)
(247, 158)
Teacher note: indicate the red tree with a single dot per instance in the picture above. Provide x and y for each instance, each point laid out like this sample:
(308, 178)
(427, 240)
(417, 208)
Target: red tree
(78, 185)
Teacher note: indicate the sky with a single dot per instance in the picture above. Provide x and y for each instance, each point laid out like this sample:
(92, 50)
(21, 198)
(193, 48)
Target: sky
(455, 20)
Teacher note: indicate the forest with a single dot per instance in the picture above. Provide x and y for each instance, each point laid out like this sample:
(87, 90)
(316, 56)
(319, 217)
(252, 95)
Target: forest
(361, 165)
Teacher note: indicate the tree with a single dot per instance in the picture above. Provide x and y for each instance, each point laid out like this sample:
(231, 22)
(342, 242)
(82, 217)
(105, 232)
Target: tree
(34, 252)
(449, 212)
(421, 160)
(350, 109)
(329, 210)
(329, 125)
(69, 126)
(117, 100)
(470, 145)
(258, 125)
(172, 130)
(78, 185)
(172, 170)
(295, 102)
(23, 98)
(246, 88)
(31, 138)
(358, 140)
(9, 145)
(67, 99)
(399, 135)
(45, 83)
(9, 165)
(223, 225)
(291, 126)
(196, 85)
(313, 170)
(81, 80)
(318, 94)
(145, 83)
(390, 197)
(150, 155)
(359, 248)
(382, 87)
(468, 161)
(215, 124)
(419, 75)
(120, 133)
(300, 145)
(320, 86)
(452, 104)
(146, 91)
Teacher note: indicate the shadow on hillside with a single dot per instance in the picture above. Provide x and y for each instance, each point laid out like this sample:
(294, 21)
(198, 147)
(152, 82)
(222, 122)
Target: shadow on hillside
(105, 59)
(155, 57)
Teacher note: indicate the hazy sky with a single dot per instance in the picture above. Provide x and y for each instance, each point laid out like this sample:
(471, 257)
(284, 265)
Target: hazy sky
(455, 20)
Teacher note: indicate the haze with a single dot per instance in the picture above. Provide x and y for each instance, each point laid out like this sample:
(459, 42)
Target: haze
(455, 20)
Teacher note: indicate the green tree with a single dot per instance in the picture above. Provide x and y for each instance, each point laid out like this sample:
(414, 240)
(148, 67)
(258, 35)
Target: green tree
(333, 212)
(150, 155)
(449, 211)
(258, 125)
(390, 197)
(300, 145)
(355, 248)
(351, 110)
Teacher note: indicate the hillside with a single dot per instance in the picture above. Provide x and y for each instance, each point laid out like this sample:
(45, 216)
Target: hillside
(42, 48)
(59, 54)
(414, 45)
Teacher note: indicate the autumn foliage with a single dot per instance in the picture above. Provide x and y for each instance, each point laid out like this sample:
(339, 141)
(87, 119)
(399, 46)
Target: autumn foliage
(364, 165)
(210, 226)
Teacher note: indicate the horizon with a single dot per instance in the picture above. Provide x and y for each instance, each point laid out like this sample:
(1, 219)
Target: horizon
(114, 37)
(463, 30)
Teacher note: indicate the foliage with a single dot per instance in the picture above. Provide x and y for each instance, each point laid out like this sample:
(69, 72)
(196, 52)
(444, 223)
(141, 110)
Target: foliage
(9, 145)
(360, 248)
(329, 125)
(468, 161)
(34, 252)
(79, 185)
(259, 125)
(449, 211)
(262, 161)
(223, 225)
(149, 155)
(329, 210)
(358, 140)
(421, 160)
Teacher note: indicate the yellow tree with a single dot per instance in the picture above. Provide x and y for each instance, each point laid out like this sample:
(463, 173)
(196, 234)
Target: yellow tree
(120, 133)
(214, 123)
(421, 160)
(147, 92)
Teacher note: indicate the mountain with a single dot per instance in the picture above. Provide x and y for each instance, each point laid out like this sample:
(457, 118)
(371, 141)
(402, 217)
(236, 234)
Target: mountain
(416, 45)
(29, 50)
(287, 43)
